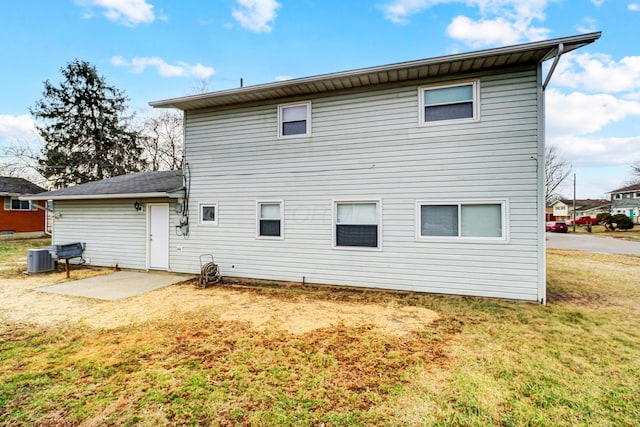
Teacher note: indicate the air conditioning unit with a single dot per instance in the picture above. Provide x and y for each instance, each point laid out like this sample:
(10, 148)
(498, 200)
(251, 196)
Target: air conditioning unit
(39, 261)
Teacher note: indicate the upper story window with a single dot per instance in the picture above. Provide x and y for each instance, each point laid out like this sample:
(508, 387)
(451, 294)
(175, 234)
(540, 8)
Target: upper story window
(16, 204)
(456, 102)
(294, 120)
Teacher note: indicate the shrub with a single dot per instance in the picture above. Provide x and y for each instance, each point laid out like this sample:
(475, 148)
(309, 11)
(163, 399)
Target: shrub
(621, 222)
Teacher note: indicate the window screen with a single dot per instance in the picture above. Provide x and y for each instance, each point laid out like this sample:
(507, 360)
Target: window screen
(439, 220)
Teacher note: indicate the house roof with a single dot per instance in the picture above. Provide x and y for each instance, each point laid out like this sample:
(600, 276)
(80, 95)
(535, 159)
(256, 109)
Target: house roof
(510, 56)
(11, 186)
(135, 185)
(586, 204)
(632, 187)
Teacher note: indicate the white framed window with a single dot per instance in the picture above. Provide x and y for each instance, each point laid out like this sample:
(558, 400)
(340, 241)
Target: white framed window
(483, 220)
(15, 204)
(294, 120)
(449, 103)
(270, 222)
(209, 213)
(357, 224)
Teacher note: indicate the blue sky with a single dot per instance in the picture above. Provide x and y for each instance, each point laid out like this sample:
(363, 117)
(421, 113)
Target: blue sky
(157, 49)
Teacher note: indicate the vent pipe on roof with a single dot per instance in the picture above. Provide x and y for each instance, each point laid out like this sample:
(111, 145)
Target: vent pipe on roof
(241, 82)
(553, 66)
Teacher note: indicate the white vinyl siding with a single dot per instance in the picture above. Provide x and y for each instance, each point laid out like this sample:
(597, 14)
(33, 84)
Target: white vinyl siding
(367, 145)
(114, 232)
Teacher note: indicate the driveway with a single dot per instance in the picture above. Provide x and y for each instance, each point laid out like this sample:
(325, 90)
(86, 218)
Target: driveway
(588, 243)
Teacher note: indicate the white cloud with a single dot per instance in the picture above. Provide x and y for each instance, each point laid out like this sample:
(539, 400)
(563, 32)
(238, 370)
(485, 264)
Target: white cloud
(17, 128)
(598, 151)
(283, 78)
(598, 73)
(500, 21)
(181, 69)
(588, 25)
(256, 15)
(634, 7)
(580, 114)
(597, 3)
(126, 12)
(491, 32)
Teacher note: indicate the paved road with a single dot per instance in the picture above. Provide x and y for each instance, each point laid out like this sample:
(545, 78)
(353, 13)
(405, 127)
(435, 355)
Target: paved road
(585, 242)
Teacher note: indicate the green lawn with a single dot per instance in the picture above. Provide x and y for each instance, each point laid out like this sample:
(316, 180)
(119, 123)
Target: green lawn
(13, 253)
(575, 361)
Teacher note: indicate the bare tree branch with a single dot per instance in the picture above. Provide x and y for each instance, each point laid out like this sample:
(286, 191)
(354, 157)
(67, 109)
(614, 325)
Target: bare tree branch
(163, 140)
(556, 170)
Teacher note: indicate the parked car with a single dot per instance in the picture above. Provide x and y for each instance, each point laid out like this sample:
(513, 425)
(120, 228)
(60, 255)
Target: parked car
(586, 220)
(557, 227)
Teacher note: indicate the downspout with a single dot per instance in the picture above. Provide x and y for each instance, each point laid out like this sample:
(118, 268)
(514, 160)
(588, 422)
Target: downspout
(553, 66)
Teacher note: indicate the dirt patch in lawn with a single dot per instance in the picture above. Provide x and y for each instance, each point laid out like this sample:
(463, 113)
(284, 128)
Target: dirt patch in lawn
(296, 310)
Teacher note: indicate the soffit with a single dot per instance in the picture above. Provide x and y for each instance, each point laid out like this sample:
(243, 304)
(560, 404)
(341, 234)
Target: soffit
(511, 56)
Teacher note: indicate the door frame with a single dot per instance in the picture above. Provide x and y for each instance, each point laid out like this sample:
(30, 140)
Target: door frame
(149, 207)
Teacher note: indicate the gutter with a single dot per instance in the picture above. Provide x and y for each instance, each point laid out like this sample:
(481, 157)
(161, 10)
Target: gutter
(553, 66)
(169, 195)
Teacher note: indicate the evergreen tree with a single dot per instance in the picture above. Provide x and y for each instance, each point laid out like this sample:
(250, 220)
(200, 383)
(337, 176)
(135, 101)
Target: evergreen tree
(86, 132)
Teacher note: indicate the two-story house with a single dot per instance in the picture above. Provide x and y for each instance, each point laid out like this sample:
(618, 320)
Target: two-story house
(562, 209)
(421, 176)
(626, 200)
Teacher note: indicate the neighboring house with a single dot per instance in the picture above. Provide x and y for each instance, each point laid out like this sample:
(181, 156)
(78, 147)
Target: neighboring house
(124, 220)
(21, 218)
(422, 176)
(562, 209)
(626, 200)
(559, 211)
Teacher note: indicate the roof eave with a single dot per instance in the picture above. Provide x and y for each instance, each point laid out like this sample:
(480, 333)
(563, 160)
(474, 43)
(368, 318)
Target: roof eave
(173, 194)
(308, 85)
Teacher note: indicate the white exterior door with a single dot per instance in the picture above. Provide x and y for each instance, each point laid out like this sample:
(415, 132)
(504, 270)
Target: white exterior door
(158, 235)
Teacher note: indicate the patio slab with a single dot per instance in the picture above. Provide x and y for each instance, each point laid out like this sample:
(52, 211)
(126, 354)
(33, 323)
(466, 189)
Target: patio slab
(117, 285)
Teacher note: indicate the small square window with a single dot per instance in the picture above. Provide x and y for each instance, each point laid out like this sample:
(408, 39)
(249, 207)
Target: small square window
(357, 224)
(270, 222)
(294, 120)
(209, 214)
(448, 103)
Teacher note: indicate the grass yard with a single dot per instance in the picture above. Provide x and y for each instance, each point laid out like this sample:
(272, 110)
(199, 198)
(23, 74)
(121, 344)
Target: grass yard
(13, 254)
(575, 361)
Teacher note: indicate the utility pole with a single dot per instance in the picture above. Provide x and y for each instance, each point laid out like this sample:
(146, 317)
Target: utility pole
(574, 202)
